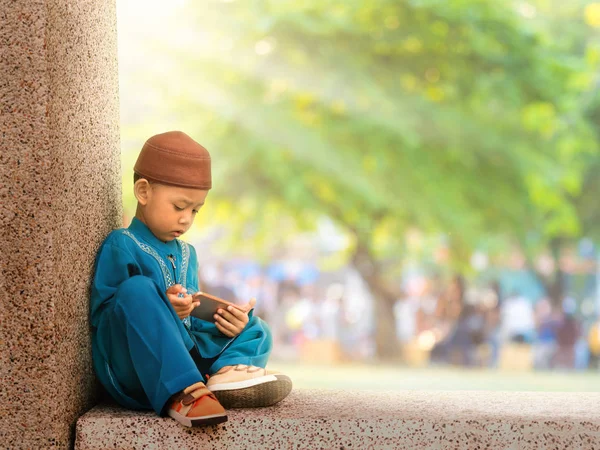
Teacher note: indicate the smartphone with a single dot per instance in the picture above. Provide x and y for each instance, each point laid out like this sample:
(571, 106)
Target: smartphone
(209, 304)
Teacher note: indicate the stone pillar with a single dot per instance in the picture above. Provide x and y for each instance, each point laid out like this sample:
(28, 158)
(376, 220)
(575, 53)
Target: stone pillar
(59, 197)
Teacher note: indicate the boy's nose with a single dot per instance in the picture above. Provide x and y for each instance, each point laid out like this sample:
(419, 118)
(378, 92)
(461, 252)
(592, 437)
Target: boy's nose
(185, 218)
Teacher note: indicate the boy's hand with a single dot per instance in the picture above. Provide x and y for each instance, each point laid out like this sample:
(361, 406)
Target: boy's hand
(182, 304)
(232, 321)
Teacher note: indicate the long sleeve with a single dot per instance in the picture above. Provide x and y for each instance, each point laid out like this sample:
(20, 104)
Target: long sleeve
(114, 265)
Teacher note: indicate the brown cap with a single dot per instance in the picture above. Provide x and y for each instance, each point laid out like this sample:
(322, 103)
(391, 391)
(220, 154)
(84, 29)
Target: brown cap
(176, 159)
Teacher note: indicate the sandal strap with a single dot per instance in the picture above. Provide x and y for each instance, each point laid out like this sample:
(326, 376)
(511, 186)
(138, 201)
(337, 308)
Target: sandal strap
(239, 368)
(196, 395)
(192, 393)
(193, 387)
(245, 368)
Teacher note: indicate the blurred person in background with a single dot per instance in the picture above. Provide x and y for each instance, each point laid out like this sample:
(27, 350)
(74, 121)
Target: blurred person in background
(492, 302)
(424, 306)
(567, 334)
(470, 332)
(547, 320)
(518, 323)
(345, 333)
(290, 314)
(459, 327)
(409, 318)
(593, 341)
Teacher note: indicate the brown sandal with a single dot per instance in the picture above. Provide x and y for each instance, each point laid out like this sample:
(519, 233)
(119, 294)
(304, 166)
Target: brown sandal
(195, 406)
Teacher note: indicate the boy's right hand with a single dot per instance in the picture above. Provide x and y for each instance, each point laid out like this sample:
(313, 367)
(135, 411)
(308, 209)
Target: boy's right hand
(183, 304)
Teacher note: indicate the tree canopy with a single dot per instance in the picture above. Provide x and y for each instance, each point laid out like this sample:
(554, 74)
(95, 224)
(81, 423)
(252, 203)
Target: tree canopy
(465, 118)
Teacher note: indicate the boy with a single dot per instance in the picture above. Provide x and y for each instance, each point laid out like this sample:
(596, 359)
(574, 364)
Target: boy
(148, 352)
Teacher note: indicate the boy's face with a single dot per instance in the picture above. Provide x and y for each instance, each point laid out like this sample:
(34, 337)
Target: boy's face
(168, 211)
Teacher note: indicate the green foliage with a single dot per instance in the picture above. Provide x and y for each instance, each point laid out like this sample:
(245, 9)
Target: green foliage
(457, 117)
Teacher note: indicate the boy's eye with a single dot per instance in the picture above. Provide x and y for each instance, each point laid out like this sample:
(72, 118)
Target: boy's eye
(194, 211)
(178, 208)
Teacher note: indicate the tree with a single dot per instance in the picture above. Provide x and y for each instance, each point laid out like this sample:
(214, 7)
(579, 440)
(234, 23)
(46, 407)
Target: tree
(570, 211)
(459, 118)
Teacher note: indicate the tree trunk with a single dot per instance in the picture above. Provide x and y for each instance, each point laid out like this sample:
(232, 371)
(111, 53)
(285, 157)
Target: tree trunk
(554, 285)
(386, 341)
(556, 288)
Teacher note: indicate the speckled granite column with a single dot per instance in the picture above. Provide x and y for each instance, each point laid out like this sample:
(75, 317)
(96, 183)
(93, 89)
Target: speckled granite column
(59, 197)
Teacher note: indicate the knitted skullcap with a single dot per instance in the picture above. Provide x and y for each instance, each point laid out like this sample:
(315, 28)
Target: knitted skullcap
(176, 159)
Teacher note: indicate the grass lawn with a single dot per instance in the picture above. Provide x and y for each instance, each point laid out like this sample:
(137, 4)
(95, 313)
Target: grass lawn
(391, 378)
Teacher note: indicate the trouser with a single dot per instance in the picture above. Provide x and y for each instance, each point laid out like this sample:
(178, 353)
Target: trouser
(143, 353)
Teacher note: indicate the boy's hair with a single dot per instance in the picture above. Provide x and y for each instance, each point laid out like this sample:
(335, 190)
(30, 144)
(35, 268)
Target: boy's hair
(137, 176)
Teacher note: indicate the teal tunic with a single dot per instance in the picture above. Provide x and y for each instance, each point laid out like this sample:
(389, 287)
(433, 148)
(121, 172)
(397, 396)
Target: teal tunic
(142, 352)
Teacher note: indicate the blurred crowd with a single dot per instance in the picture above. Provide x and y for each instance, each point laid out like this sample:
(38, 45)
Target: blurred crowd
(329, 316)
(483, 327)
(312, 314)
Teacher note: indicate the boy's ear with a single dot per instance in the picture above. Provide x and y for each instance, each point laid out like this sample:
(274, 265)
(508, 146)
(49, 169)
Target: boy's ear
(141, 190)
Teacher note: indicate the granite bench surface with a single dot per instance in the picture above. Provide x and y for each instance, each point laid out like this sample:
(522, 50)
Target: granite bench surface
(367, 419)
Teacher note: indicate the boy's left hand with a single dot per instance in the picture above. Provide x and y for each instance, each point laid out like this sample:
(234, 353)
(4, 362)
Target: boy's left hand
(232, 321)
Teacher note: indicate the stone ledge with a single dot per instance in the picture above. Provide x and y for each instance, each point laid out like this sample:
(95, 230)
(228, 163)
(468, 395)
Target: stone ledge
(367, 419)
